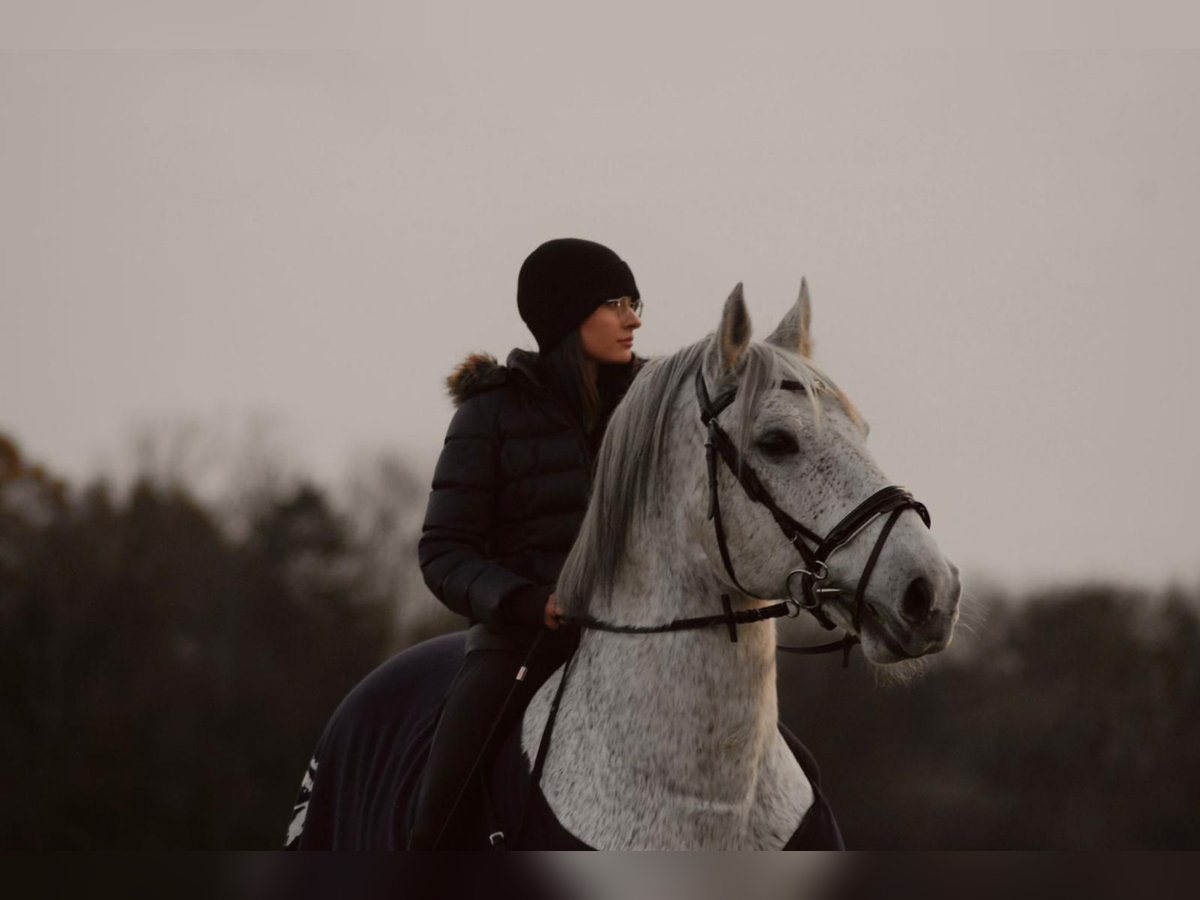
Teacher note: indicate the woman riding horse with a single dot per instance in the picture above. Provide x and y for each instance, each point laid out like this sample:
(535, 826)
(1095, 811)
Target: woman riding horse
(733, 472)
(510, 491)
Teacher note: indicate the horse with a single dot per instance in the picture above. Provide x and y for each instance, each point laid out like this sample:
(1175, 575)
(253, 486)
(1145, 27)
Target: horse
(661, 731)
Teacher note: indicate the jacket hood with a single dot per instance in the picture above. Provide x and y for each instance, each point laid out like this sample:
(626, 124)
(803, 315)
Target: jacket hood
(481, 372)
(474, 375)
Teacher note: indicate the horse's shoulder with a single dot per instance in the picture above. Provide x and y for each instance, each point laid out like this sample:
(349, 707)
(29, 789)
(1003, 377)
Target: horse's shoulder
(509, 780)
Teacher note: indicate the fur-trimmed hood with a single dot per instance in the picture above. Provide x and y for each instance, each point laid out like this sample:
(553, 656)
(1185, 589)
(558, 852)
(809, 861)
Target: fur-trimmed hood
(481, 372)
(475, 374)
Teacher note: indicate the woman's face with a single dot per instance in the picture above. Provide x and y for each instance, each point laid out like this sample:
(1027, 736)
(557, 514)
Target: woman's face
(607, 334)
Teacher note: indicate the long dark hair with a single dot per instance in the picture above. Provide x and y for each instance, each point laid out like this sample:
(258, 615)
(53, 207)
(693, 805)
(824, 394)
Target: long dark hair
(564, 368)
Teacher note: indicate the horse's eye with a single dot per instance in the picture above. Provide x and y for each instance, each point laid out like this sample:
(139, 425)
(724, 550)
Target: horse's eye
(778, 443)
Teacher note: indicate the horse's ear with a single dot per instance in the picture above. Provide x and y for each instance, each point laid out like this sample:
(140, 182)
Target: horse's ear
(794, 331)
(733, 334)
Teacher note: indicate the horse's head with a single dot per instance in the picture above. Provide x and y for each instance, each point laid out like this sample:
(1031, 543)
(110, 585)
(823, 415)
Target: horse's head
(648, 550)
(806, 445)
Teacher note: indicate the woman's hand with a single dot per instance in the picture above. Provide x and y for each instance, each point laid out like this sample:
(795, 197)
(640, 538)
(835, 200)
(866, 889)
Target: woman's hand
(552, 618)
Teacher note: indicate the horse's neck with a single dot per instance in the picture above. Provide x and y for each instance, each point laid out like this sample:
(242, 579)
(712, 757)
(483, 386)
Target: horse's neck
(670, 741)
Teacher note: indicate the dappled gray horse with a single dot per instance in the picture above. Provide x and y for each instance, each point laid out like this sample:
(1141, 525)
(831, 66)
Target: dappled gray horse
(665, 735)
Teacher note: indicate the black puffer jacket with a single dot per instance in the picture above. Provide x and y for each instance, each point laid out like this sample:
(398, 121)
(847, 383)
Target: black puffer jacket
(509, 494)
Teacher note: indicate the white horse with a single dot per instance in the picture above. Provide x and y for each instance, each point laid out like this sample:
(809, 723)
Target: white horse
(671, 740)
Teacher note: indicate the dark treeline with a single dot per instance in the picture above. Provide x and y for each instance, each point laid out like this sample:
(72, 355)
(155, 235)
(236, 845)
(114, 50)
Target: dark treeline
(1067, 720)
(165, 672)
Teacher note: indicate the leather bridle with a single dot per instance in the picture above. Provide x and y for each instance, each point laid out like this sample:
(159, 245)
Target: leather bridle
(891, 500)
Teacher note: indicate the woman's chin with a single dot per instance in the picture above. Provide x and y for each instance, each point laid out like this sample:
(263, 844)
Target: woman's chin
(619, 356)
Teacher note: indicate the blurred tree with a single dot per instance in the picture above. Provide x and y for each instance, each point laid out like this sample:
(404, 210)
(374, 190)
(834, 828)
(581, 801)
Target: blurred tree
(385, 502)
(162, 686)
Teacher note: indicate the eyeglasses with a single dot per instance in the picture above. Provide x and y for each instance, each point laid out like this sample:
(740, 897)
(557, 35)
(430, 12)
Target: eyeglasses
(624, 306)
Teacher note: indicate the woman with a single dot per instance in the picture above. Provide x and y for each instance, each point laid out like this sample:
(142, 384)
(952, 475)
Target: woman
(510, 491)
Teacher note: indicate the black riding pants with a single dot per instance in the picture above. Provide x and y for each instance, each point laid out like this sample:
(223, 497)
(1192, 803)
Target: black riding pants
(473, 702)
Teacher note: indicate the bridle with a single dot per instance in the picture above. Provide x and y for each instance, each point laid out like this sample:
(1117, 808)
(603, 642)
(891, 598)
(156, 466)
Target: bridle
(892, 500)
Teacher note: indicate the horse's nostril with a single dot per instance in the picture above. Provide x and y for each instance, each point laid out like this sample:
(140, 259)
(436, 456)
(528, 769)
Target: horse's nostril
(918, 601)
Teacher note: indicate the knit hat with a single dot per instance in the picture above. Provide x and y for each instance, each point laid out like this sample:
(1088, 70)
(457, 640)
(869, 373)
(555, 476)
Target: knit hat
(563, 281)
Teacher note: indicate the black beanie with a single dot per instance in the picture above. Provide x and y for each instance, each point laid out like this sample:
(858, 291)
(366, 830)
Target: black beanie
(563, 281)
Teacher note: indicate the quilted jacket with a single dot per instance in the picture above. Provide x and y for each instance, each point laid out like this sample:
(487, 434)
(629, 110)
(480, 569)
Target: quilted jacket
(509, 494)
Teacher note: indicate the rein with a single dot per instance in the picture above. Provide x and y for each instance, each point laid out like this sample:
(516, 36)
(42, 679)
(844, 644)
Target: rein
(729, 618)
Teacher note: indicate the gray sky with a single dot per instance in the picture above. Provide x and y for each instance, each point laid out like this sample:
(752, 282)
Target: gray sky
(1001, 248)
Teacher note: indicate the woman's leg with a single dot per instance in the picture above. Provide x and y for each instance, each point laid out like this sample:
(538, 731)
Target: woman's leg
(472, 704)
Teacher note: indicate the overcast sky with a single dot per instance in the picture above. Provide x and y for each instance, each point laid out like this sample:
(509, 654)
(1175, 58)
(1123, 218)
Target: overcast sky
(1001, 247)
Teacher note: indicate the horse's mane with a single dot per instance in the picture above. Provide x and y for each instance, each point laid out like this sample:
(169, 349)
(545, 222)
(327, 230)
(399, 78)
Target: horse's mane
(630, 481)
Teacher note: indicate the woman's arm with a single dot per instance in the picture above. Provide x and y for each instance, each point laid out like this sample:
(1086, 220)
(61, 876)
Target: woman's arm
(458, 519)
